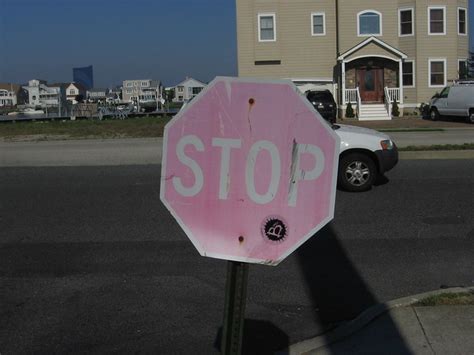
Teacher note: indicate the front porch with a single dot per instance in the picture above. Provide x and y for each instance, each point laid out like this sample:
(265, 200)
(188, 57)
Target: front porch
(371, 80)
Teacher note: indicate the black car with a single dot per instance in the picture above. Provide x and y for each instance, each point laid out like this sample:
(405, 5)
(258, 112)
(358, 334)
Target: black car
(324, 103)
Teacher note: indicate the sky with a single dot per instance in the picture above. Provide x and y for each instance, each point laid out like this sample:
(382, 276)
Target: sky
(164, 40)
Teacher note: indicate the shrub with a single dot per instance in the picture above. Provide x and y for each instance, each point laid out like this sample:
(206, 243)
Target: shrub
(349, 111)
(395, 109)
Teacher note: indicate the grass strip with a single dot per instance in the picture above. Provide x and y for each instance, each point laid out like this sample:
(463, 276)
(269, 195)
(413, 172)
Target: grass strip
(138, 127)
(437, 147)
(448, 299)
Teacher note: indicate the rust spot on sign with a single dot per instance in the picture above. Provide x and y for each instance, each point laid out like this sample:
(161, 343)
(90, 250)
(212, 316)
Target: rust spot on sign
(241, 239)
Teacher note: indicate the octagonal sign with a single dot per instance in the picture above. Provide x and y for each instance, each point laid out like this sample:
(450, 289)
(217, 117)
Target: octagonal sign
(249, 170)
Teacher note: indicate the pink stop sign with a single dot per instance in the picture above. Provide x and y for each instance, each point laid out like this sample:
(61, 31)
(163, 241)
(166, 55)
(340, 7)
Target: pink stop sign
(249, 170)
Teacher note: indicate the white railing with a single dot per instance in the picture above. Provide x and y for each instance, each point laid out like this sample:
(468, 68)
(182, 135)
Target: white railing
(393, 94)
(353, 96)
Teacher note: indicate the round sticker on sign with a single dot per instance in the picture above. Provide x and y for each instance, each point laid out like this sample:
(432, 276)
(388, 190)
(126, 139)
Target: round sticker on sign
(249, 170)
(274, 229)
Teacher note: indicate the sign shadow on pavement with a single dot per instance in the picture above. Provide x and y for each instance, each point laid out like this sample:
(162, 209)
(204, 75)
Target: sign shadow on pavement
(338, 292)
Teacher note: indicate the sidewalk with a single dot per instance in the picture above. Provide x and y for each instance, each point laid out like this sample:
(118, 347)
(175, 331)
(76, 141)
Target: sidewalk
(400, 327)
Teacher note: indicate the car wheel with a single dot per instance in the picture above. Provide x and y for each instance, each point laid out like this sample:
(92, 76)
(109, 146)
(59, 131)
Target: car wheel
(434, 114)
(470, 118)
(357, 172)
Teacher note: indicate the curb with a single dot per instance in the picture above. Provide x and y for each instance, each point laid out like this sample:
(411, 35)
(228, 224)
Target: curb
(367, 316)
(436, 154)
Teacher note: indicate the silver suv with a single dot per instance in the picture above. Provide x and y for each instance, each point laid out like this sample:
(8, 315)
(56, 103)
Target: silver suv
(455, 100)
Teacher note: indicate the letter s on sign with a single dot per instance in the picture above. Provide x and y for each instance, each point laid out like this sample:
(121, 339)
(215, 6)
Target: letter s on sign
(190, 163)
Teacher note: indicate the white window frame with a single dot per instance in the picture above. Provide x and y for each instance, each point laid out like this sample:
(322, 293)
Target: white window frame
(413, 73)
(370, 34)
(462, 60)
(267, 14)
(144, 84)
(323, 14)
(430, 60)
(412, 10)
(444, 20)
(129, 84)
(466, 25)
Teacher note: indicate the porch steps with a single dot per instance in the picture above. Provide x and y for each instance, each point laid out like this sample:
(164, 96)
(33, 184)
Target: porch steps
(373, 112)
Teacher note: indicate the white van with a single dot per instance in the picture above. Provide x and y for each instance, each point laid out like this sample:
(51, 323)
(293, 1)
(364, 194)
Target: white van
(455, 100)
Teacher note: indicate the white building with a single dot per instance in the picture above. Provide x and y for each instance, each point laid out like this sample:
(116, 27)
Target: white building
(187, 89)
(43, 95)
(73, 90)
(145, 90)
(9, 94)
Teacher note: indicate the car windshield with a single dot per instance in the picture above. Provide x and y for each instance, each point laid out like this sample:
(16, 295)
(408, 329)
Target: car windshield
(320, 96)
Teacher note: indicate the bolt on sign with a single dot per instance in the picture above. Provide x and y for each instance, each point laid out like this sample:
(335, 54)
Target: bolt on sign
(249, 170)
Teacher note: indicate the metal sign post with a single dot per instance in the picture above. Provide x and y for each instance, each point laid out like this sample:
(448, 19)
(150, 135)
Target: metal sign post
(234, 308)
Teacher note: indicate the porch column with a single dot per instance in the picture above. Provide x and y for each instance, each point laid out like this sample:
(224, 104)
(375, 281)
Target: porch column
(343, 81)
(400, 80)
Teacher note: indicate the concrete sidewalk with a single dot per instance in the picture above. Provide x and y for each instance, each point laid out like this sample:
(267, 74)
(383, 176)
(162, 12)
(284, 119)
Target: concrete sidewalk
(400, 327)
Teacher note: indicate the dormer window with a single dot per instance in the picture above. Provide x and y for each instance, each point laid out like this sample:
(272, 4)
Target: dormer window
(369, 23)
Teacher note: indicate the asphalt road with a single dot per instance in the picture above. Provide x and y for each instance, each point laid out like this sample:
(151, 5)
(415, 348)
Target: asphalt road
(91, 262)
(133, 151)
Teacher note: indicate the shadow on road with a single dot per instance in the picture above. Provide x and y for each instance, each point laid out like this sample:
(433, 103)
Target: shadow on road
(337, 290)
(259, 337)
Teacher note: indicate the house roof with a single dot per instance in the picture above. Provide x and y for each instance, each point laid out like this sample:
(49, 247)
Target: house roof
(63, 85)
(10, 87)
(376, 41)
(78, 86)
(189, 79)
(97, 90)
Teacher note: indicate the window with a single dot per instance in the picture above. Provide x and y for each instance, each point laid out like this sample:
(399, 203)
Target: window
(129, 84)
(145, 83)
(462, 28)
(72, 92)
(408, 74)
(180, 88)
(318, 24)
(444, 92)
(266, 28)
(437, 72)
(369, 23)
(196, 90)
(437, 20)
(462, 69)
(405, 19)
(129, 91)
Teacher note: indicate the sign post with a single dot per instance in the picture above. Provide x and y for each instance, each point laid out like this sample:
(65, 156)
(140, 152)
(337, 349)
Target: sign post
(234, 307)
(249, 172)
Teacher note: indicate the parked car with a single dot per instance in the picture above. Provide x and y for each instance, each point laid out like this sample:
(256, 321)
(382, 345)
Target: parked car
(365, 155)
(324, 103)
(455, 100)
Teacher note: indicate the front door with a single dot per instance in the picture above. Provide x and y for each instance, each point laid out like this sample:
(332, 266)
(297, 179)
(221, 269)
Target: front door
(370, 84)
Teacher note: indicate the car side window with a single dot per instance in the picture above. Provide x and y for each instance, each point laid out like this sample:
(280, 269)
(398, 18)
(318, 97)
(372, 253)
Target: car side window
(444, 93)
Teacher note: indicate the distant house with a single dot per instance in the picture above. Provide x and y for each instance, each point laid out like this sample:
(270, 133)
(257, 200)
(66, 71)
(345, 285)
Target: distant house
(187, 89)
(142, 92)
(97, 94)
(43, 95)
(11, 95)
(73, 90)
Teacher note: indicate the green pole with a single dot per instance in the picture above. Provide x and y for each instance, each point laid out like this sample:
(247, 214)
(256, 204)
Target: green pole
(234, 309)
